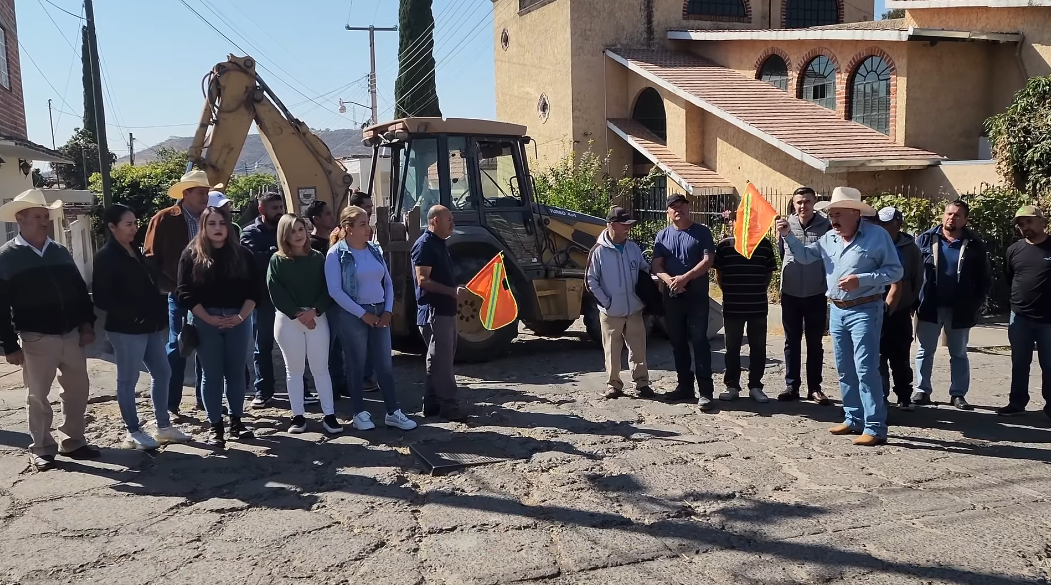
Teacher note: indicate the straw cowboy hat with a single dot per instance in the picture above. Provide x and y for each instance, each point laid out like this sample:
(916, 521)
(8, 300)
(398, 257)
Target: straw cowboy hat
(194, 178)
(846, 198)
(31, 199)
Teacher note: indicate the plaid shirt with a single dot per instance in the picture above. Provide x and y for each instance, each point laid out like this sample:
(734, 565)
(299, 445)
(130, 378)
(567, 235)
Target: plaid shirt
(192, 224)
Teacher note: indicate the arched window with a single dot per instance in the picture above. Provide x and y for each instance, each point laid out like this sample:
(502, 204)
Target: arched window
(819, 82)
(804, 13)
(649, 111)
(775, 72)
(717, 8)
(870, 94)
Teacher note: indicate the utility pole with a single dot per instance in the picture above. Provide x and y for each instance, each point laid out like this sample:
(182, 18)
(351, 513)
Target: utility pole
(131, 148)
(100, 110)
(372, 58)
(52, 119)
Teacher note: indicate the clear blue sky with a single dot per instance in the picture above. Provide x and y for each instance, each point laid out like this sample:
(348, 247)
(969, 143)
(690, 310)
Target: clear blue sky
(155, 53)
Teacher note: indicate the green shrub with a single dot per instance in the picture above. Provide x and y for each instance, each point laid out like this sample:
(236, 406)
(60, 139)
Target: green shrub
(581, 184)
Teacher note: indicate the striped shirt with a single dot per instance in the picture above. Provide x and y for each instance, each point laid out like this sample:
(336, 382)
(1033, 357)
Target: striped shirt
(744, 281)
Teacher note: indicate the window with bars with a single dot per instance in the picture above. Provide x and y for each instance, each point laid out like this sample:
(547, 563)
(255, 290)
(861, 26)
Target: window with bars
(804, 13)
(819, 82)
(720, 8)
(10, 230)
(5, 75)
(870, 94)
(775, 72)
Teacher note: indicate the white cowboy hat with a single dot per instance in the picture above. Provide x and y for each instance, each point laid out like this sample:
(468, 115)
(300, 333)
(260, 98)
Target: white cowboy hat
(194, 178)
(31, 199)
(845, 198)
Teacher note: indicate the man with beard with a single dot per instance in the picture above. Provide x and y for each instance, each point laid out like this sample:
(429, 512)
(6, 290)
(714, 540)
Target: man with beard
(260, 238)
(896, 340)
(803, 301)
(1029, 272)
(860, 263)
(168, 234)
(957, 278)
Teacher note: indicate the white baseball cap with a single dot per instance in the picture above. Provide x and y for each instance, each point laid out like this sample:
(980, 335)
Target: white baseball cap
(217, 199)
(889, 213)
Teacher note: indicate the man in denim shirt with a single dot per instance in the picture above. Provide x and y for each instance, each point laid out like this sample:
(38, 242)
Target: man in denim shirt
(860, 263)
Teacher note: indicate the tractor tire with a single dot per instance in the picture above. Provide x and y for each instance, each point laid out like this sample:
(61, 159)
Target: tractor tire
(549, 328)
(474, 342)
(590, 314)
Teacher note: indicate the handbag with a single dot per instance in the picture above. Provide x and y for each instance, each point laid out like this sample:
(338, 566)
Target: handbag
(188, 339)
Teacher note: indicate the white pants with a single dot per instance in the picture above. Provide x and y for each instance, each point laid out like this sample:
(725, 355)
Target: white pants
(298, 345)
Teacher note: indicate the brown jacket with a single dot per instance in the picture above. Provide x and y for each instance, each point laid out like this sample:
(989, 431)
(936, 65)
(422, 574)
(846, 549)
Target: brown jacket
(166, 238)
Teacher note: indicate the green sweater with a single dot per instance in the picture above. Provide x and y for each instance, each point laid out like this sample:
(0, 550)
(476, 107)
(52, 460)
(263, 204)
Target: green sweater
(298, 283)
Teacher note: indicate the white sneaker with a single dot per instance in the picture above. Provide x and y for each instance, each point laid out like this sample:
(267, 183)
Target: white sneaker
(170, 435)
(730, 394)
(363, 421)
(758, 395)
(398, 420)
(139, 441)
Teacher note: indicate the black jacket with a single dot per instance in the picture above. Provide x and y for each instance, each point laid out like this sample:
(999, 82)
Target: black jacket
(974, 278)
(261, 241)
(127, 287)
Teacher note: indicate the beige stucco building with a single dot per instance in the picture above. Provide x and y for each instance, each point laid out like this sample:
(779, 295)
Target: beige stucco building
(781, 93)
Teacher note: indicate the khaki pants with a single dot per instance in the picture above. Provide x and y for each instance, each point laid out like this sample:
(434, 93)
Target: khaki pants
(616, 332)
(46, 355)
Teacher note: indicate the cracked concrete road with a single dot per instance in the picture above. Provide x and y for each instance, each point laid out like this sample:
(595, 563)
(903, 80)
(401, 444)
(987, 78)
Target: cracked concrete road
(610, 492)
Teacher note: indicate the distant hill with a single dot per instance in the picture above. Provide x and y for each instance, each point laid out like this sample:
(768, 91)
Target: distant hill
(343, 143)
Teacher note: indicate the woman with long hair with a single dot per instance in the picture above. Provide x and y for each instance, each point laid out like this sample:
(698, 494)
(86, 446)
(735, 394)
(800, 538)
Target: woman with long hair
(217, 284)
(126, 287)
(360, 284)
(296, 282)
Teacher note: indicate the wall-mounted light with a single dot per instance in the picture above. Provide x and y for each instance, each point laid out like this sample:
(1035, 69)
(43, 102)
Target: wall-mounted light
(25, 166)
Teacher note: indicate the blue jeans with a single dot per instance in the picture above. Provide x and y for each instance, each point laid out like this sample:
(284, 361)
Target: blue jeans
(263, 330)
(224, 356)
(686, 320)
(959, 366)
(363, 343)
(133, 351)
(855, 343)
(177, 363)
(1023, 333)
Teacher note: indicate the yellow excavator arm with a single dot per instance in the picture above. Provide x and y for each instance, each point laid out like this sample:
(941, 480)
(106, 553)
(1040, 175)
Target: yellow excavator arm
(235, 96)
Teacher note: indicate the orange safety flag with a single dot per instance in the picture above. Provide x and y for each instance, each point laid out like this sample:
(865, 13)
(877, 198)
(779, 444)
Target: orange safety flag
(499, 308)
(755, 215)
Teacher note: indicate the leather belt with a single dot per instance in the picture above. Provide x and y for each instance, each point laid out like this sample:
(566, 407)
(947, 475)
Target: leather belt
(856, 302)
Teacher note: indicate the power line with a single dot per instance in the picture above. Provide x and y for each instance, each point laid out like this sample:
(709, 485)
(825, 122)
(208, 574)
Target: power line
(64, 10)
(41, 72)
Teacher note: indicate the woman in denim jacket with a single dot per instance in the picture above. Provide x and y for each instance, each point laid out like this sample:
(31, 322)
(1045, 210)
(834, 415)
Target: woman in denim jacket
(359, 282)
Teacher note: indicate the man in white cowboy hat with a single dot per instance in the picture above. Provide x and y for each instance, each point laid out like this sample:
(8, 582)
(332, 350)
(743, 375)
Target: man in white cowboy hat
(860, 263)
(47, 319)
(168, 234)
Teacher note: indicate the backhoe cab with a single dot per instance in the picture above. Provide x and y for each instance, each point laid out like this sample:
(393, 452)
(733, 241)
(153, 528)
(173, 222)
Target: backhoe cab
(478, 169)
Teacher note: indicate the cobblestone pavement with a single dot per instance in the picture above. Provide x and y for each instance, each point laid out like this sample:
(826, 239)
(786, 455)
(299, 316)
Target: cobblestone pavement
(625, 491)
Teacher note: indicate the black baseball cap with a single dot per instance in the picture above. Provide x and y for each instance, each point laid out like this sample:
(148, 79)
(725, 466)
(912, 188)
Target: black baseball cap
(619, 215)
(677, 198)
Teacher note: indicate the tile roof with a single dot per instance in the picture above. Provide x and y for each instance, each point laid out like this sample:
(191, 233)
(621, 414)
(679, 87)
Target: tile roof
(688, 175)
(887, 24)
(807, 131)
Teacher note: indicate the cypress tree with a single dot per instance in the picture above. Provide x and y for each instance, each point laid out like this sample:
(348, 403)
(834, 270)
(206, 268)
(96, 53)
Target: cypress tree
(415, 92)
(90, 126)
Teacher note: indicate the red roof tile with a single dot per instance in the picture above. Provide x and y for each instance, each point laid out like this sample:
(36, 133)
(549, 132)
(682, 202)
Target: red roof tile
(814, 134)
(695, 176)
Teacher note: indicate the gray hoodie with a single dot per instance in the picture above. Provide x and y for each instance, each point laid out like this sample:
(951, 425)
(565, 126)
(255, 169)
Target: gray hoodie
(912, 281)
(612, 275)
(803, 280)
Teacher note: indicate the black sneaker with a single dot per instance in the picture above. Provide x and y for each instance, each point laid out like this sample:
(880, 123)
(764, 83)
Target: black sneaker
(960, 403)
(85, 452)
(1010, 410)
(260, 402)
(216, 436)
(680, 394)
(450, 411)
(921, 398)
(42, 462)
(238, 430)
(612, 393)
(299, 424)
(331, 424)
(645, 392)
(788, 395)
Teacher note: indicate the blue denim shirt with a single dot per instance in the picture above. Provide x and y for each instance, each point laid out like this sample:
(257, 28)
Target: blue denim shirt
(871, 256)
(342, 278)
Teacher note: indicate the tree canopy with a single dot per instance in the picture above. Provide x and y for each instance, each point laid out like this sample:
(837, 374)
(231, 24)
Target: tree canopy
(1021, 138)
(415, 92)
